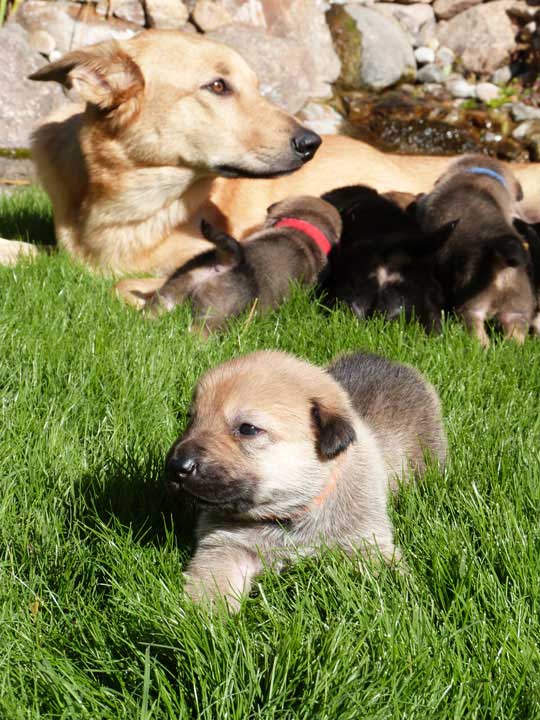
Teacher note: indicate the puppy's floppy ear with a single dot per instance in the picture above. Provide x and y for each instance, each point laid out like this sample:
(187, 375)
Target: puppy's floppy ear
(333, 430)
(103, 74)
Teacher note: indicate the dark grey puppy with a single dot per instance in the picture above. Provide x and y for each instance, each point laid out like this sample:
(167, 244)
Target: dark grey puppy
(283, 457)
(484, 266)
(293, 245)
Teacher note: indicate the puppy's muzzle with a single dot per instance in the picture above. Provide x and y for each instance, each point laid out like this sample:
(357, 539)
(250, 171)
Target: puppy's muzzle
(305, 144)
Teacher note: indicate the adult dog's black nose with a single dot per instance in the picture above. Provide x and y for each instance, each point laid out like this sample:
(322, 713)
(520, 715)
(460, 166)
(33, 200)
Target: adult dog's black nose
(181, 467)
(305, 144)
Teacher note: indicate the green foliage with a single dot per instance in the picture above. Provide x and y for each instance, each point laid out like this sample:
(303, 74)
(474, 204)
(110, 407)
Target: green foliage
(93, 621)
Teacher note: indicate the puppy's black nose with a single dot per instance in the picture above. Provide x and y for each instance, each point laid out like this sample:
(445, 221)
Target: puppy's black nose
(305, 144)
(182, 466)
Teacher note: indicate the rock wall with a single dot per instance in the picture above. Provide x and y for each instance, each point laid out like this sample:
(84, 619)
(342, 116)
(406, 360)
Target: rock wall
(303, 50)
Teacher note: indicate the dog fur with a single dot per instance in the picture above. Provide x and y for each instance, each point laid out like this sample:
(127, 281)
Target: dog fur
(225, 281)
(484, 266)
(282, 457)
(130, 183)
(165, 112)
(385, 262)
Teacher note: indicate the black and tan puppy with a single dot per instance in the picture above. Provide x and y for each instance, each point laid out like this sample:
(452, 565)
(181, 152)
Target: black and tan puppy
(293, 245)
(282, 457)
(385, 262)
(485, 265)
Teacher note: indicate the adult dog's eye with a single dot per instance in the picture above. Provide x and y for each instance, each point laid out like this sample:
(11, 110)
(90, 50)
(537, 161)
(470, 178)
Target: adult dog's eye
(219, 87)
(248, 430)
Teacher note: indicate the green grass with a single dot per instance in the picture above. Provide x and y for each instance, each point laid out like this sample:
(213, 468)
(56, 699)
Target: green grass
(93, 621)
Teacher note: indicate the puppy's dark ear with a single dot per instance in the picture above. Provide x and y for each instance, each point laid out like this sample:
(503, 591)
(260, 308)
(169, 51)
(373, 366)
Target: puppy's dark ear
(333, 431)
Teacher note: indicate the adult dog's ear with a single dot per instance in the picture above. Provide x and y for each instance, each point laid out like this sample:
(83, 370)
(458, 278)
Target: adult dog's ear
(333, 430)
(103, 75)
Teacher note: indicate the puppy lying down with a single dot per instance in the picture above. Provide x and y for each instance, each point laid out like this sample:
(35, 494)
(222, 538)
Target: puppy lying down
(293, 245)
(282, 457)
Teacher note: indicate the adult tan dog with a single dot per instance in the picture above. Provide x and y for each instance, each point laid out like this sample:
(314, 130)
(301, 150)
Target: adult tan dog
(282, 457)
(131, 174)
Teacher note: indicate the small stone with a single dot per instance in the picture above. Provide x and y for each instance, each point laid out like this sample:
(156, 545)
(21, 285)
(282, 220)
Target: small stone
(445, 56)
(526, 129)
(42, 41)
(461, 88)
(322, 119)
(424, 55)
(434, 44)
(130, 10)
(502, 76)
(210, 15)
(430, 74)
(486, 91)
(520, 111)
(166, 14)
(55, 55)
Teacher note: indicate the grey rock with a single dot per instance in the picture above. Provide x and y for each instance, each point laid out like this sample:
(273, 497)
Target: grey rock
(280, 63)
(166, 14)
(42, 41)
(502, 76)
(520, 111)
(431, 73)
(446, 9)
(418, 20)
(486, 91)
(70, 24)
(387, 55)
(302, 21)
(526, 129)
(24, 103)
(460, 88)
(424, 55)
(483, 35)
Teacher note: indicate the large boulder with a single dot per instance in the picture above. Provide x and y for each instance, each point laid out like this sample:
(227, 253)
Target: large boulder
(302, 21)
(374, 49)
(24, 102)
(71, 24)
(280, 63)
(446, 9)
(482, 36)
(418, 20)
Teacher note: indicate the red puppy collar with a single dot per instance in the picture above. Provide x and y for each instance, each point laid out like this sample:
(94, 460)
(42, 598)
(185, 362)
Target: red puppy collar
(318, 237)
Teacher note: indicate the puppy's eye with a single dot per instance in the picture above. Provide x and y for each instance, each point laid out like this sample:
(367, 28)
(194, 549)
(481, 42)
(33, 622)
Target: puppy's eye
(248, 430)
(219, 86)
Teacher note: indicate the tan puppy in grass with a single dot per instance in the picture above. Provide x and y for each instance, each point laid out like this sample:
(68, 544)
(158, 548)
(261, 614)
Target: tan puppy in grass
(132, 173)
(282, 457)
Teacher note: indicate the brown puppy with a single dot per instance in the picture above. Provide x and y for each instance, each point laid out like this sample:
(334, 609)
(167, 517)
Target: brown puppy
(484, 266)
(293, 245)
(283, 457)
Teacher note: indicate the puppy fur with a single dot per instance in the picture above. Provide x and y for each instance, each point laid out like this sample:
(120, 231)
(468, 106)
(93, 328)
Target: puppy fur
(484, 266)
(385, 261)
(223, 282)
(282, 457)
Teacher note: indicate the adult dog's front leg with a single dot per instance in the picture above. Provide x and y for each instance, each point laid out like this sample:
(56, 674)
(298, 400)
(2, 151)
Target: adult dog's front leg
(12, 250)
(224, 573)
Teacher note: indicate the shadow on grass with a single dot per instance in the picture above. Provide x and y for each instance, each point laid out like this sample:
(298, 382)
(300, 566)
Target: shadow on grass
(131, 492)
(26, 215)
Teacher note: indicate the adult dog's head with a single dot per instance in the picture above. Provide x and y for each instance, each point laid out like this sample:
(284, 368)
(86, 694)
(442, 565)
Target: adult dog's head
(266, 435)
(177, 99)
